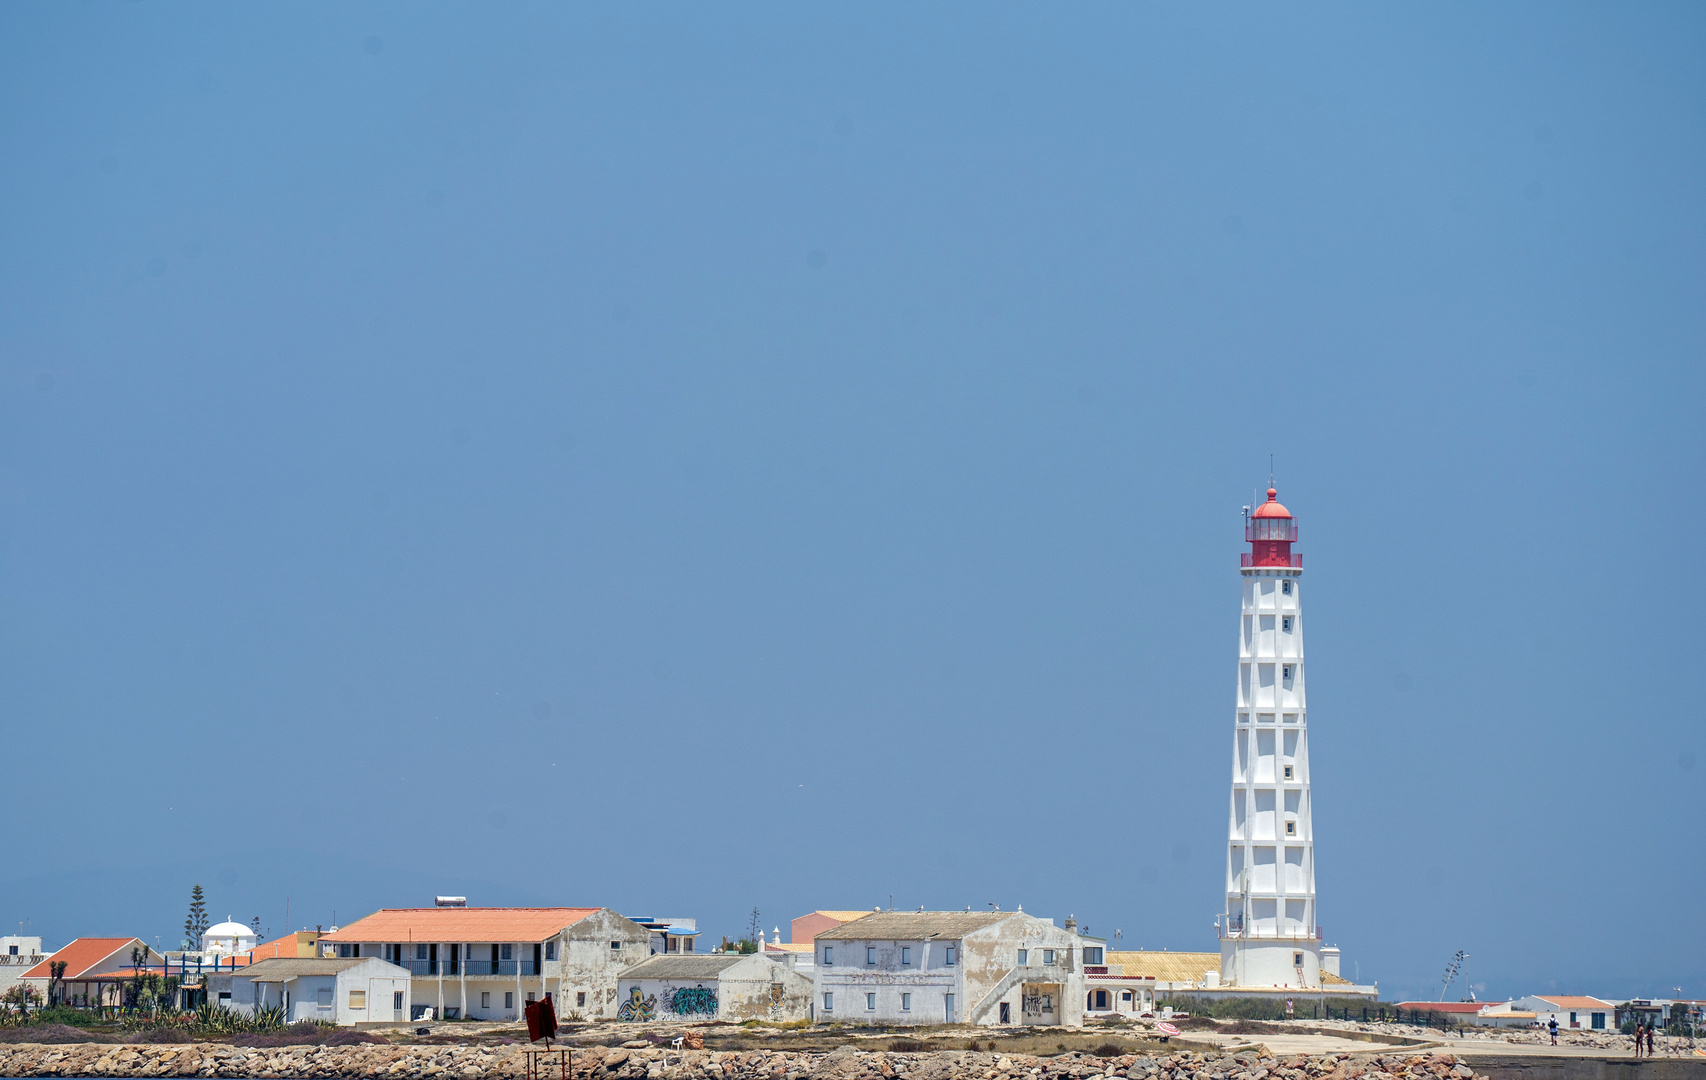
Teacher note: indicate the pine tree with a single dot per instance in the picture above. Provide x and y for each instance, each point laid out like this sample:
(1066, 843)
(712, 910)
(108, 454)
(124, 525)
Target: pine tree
(196, 925)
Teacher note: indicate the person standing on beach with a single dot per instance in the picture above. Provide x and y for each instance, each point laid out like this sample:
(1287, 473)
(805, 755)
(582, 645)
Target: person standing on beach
(1650, 1026)
(1552, 1026)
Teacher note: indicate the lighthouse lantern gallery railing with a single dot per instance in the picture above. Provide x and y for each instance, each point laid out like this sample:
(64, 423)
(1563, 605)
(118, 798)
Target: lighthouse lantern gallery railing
(1296, 560)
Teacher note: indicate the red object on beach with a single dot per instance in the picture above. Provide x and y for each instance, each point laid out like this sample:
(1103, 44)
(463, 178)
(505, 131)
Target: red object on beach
(1166, 1028)
(541, 1020)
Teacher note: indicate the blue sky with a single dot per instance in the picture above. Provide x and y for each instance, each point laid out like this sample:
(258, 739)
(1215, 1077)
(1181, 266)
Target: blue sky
(696, 458)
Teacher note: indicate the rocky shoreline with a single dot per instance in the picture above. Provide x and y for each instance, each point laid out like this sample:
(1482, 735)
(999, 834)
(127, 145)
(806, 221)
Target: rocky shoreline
(404, 1062)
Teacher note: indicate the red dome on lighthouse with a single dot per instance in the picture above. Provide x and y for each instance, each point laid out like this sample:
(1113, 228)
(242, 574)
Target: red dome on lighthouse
(1272, 508)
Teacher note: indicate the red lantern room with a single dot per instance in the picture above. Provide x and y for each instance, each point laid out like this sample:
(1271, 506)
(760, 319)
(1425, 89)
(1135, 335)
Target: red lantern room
(1271, 531)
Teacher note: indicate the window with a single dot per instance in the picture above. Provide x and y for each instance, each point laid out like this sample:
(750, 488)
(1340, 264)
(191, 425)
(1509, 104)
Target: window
(1288, 671)
(905, 956)
(1296, 959)
(1285, 624)
(870, 954)
(506, 952)
(420, 952)
(530, 997)
(509, 999)
(1285, 587)
(323, 998)
(580, 999)
(358, 999)
(829, 956)
(1288, 772)
(1291, 828)
(485, 999)
(615, 944)
(1573, 1021)
(1598, 1021)
(828, 1002)
(1098, 1000)
(1024, 957)
(906, 1003)
(948, 958)
(551, 950)
(870, 1003)
(397, 1000)
(1092, 954)
(224, 996)
(343, 950)
(1048, 956)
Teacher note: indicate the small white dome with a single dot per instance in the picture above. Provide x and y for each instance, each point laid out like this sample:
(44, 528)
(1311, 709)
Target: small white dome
(228, 937)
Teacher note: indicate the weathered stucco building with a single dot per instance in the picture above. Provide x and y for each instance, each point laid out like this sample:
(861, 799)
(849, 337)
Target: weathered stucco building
(732, 987)
(933, 967)
(487, 963)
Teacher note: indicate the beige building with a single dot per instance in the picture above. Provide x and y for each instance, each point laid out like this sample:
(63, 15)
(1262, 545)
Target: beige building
(488, 963)
(932, 967)
(734, 987)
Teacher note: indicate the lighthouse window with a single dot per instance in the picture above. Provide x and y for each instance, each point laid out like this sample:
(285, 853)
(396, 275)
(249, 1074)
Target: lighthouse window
(1285, 587)
(1296, 959)
(1285, 624)
(1288, 671)
(1288, 772)
(1290, 826)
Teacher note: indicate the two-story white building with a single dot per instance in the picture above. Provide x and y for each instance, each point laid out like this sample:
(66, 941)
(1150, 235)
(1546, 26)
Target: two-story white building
(488, 963)
(933, 967)
(18, 954)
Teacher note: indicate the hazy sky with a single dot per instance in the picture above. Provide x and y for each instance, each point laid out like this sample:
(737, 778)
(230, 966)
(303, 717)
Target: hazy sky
(687, 458)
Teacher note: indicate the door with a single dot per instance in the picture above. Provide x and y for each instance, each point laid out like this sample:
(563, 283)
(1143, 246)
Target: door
(1006, 1012)
(948, 1007)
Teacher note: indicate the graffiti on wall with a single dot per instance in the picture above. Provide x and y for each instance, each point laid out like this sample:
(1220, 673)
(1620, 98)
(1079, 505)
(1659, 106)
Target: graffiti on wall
(691, 1000)
(1038, 1004)
(638, 1007)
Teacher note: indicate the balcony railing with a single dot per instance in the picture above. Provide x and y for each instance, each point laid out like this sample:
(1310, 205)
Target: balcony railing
(1231, 930)
(1296, 560)
(471, 968)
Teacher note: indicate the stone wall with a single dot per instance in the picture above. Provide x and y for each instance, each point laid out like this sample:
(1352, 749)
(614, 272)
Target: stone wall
(597, 1063)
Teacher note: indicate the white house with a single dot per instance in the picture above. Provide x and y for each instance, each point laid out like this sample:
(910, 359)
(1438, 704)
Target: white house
(17, 955)
(933, 967)
(487, 963)
(346, 992)
(729, 986)
(1585, 1013)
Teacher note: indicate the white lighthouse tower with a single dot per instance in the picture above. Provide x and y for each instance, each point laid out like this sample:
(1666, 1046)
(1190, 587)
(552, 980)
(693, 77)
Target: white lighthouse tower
(1268, 935)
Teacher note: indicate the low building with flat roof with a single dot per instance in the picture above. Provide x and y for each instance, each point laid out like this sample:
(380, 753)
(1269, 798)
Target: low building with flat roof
(319, 988)
(732, 987)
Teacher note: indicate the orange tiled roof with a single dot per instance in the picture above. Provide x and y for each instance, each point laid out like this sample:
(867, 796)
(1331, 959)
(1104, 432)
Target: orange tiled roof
(1576, 1002)
(81, 955)
(288, 947)
(461, 924)
(790, 946)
